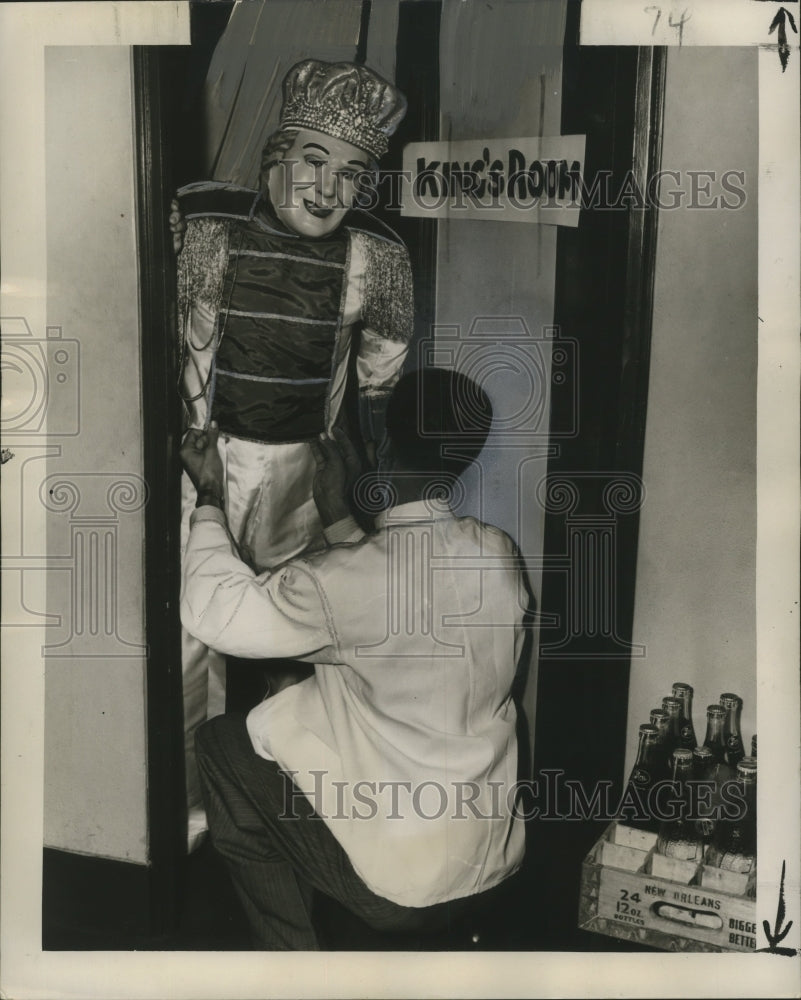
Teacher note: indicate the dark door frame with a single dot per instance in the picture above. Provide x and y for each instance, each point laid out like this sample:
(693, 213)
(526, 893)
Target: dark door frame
(604, 301)
(161, 431)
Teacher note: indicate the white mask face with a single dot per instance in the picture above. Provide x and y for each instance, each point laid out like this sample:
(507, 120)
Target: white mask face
(314, 184)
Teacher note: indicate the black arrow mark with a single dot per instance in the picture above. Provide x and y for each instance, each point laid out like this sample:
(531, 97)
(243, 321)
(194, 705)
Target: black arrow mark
(779, 933)
(779, 21)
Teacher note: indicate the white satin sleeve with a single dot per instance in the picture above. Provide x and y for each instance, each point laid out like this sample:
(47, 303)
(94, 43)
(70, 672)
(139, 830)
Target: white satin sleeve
(379, 362)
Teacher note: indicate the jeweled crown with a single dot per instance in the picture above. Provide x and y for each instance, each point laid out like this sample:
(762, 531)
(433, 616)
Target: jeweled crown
(343, 100)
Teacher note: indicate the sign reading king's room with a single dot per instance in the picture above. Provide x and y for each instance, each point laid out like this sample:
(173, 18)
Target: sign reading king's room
(499, 180)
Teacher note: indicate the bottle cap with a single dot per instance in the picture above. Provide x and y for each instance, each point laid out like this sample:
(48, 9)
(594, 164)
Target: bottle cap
(681, 688)
(716, 711)
(702, 752)
(671, 705)
(648, 730)
(747, 766)
(729, 700)
(682, 754)
(658, 713)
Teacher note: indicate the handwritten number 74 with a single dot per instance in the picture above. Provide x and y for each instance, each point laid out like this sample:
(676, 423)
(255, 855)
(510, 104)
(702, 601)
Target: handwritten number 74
(678, 25)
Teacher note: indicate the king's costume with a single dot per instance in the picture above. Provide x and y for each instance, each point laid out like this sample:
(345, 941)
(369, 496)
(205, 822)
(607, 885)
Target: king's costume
(274, 328)
(268, 318)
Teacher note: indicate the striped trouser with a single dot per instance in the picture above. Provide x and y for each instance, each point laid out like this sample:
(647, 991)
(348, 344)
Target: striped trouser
(278, 850)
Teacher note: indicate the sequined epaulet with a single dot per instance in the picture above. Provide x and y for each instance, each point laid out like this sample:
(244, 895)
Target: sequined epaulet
(202, 263)
(388, 306)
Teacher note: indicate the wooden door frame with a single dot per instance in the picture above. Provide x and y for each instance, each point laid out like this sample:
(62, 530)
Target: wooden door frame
(161, 438)
(604, 301)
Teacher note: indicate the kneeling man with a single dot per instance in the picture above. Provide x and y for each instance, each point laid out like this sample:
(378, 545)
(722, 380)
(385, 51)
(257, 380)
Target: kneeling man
(386, 779)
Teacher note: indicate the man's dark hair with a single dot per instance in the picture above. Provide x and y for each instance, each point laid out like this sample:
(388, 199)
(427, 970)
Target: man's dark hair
(438, 420)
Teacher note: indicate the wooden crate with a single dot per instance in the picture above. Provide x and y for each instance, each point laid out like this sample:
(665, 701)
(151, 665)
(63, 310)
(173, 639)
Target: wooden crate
(690, 911)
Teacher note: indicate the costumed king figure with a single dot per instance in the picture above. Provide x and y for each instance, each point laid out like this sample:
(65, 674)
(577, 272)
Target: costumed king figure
(273, 286)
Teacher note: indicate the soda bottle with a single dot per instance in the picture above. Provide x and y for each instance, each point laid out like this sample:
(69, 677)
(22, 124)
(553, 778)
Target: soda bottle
(684, 693)
(715, 724)
(673, 707)
(735, 751)
(705, 768)
(643, 777)
(678, 838)
(660, 719)
(703, 763)
(753, 746)
(733, 847)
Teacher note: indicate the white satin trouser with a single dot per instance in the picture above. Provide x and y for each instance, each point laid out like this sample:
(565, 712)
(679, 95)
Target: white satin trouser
(272, 517)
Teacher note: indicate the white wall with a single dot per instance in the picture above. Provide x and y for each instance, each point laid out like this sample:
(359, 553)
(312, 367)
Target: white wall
(503, 270)
(695, 597)
(95, 748)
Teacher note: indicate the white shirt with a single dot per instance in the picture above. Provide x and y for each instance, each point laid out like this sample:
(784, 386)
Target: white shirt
(404, 738)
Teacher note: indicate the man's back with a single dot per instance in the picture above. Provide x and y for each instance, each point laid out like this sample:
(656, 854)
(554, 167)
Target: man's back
(403, 741)
(405, 738)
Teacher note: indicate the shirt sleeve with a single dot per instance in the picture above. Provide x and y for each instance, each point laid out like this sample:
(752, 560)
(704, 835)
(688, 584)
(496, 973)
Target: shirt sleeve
(234, 611)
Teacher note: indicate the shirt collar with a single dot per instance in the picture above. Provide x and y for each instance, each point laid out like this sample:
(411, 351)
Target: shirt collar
(415, 512)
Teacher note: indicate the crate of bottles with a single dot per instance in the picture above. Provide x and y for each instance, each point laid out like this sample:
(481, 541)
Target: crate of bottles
(671, 875)
(685, 907)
